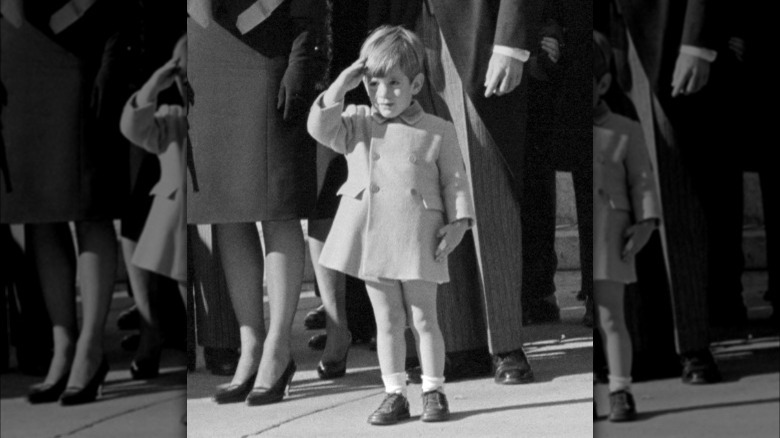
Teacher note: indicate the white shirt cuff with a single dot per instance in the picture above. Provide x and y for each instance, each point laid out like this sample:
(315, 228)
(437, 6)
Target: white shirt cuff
(700, 52)
(519, 54)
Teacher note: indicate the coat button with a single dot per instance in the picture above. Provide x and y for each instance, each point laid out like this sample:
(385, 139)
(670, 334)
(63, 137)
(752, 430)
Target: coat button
(413, 192)
(374, 188)
(375, 156)
(412, 159)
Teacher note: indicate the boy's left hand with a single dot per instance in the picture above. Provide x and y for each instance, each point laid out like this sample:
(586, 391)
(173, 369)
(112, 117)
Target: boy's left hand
(450, 235)
(636, 237)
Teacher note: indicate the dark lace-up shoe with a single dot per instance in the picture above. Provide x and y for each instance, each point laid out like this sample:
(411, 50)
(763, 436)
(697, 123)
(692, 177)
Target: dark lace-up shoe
(435, 406)
(622, 407)
(394, 408)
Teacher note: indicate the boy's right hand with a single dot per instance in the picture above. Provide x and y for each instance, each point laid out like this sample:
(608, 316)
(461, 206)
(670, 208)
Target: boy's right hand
(347, 80)
(160, 80)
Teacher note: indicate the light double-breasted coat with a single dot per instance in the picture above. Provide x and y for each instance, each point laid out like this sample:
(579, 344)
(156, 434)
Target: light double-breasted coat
(624, 191)
(162, 247)
(406, 180)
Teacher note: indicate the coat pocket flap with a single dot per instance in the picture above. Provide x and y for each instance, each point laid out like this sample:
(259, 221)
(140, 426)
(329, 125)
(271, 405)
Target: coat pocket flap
(432, 202)
(619, 202)
(352, 190)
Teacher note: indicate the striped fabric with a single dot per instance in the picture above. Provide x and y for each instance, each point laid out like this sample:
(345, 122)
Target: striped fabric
(216, 322)
(684, 222)
(481, 304)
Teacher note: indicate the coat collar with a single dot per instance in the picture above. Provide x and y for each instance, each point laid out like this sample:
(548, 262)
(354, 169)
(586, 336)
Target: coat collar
(410, 116)
(600, 113)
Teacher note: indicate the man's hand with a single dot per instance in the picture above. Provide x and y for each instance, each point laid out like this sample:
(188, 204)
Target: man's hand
(503, 75)
(737, 45)
(691, 74)
(450, 236)
(636, 237)
(553, 49)
(347, 80)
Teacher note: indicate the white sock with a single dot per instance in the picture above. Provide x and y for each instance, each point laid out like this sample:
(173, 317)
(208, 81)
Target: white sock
(618, 383)
(432, 383)
(395, 383)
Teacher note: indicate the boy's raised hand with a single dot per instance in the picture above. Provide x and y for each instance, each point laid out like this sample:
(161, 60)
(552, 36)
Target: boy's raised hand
(450, 235)
(160, 80)
(347, 80)
(636, 237)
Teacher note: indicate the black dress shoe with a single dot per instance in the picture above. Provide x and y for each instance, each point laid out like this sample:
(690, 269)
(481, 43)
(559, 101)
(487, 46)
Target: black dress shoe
(435, 406)
(264, 396)
(315, 320)
(129, 319)
(130, 342)
(621, 406)
(318, 341)
(700, 368)
(48, 392)
(88, 393)
(234, 393)
(394, 408)
(334, 370)
(145, 368)
(512, 368)
(221, 361)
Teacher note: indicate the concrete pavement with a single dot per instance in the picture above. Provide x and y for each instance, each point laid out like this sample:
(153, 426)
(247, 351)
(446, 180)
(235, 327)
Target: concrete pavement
(557, 404)
(128, 408)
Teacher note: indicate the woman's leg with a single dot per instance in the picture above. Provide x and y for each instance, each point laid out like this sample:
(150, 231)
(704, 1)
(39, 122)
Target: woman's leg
(145, 301)
(332, 285)
(609, 297)
(284, 249)
(97, 260)
(388, 303)
(420, 300)
(242, 261)
(55, 259)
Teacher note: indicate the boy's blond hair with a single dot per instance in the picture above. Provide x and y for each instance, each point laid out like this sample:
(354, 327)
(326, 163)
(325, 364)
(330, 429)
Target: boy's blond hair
(390, 46)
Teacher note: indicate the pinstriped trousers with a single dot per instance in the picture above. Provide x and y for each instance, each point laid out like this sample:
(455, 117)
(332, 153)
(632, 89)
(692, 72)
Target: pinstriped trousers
(481, 305)
(683, 231)
(210, 308)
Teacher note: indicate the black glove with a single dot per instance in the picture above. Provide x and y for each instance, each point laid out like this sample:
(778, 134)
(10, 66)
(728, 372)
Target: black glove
(294, 93)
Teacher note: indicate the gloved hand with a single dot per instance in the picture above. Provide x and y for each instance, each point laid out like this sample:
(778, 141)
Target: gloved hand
(293, 98)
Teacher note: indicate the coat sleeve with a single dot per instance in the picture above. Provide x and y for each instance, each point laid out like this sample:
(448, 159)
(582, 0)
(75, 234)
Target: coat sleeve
(455, 187)
(641, 179)
(514, 20)
(152, 130)
(330, 127)
(699, 28)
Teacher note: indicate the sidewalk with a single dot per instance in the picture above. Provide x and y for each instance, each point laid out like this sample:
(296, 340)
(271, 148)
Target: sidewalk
(745, 405)
(127, 408)
(557, 404)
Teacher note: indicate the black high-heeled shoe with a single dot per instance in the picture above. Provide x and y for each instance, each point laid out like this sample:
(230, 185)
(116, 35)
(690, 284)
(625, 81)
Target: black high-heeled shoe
(48, 392)
(145, 368)
(264, 396)
(234, 393)
(334, 370)
(88, 393)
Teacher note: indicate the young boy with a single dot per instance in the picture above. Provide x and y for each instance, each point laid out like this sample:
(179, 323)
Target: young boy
(404, 207)
(626, 211)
